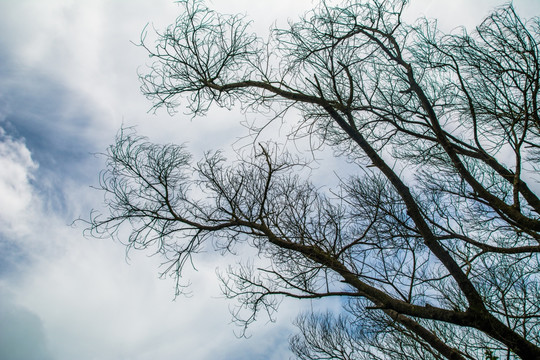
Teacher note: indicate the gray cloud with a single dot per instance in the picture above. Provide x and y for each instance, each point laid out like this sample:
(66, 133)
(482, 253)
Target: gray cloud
(22, 336)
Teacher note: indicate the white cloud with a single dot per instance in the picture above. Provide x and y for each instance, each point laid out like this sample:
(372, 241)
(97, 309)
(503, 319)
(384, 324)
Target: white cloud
(95, 306)
(16, 192)
(453, 14)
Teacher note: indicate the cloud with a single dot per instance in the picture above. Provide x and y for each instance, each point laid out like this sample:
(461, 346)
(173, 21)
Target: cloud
(22, 336)
(16, 191)
(94, 305)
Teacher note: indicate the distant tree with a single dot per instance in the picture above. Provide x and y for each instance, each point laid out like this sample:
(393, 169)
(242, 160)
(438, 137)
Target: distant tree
(432, 238)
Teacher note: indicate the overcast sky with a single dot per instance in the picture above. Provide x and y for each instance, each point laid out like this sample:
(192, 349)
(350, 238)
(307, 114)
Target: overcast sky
(68, 81)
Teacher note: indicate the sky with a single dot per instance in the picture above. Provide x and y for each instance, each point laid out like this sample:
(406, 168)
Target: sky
(68, 82)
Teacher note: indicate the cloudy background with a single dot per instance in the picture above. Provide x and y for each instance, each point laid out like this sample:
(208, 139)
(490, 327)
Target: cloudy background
(68, 82)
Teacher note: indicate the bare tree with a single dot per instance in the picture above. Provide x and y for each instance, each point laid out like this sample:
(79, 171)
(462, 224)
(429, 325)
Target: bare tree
(434, 240)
